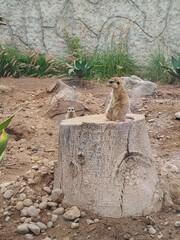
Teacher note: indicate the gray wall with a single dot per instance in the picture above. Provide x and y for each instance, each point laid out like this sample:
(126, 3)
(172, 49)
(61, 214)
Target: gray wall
(142, 24)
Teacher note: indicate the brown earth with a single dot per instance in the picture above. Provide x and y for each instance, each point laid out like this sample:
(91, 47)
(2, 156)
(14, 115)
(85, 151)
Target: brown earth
(33, 137)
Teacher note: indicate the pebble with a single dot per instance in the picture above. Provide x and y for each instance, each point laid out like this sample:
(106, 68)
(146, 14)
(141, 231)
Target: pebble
(49, 224)
(8, 194)
(47, 238)
(19, 206)
(59, 211)
(96, 220)
(57, 195)
(7, 219)
(152, 230)
(43, 205)
(32, 211)
(27, 202)
(177, 224)
(47, 189)
(34, 228)
(41, 225)
(72, 213)
(30, 191)
(52, 204)
(83, 214)
(28, 237)
(23, 228)
(89, 221)
(54, 218)
(74, 225)
(177, 115)
(24, 212)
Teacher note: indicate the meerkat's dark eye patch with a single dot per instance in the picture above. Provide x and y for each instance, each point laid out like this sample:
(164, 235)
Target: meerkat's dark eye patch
(111, 82)
(118, 83)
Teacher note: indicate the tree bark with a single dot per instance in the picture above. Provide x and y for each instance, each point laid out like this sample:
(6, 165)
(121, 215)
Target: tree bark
(107, 167)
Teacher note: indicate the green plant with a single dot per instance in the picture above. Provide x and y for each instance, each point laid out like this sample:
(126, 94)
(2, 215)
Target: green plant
(72, 42)
(4, 136)
(154, 71)
(175, 70)
(80, 68)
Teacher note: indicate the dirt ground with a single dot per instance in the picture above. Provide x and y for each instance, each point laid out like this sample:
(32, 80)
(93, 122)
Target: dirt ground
(33, 137)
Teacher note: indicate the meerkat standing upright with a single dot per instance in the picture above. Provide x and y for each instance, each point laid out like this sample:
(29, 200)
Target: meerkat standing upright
(71, 113)
(119, 103)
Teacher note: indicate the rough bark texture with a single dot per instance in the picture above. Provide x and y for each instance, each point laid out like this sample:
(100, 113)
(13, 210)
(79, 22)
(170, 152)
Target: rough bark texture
(107, 167)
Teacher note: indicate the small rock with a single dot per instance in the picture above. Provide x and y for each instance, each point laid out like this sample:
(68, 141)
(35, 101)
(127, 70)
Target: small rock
(8, 194)
(74, 225)
(152, 230)
(177, 115)
(54, 218)
(19, 206)
(22, 196)
(96, 220)
(59, 211)
(160, 235)
(177, 224)
(89, 221)
(34, 228)
(23, 228)
(28, 237)
(76, 220)
(30, 191)
(27, 220)
(49, 224)
(47, 189)
(47, 238)
(43, 205)
(57, 195)
(41, 225)
(24, 212)
(32, 211)
(27, 202)
(151, 120)
(72, 213)
(83, 214)
(52, 204)
(7, 219)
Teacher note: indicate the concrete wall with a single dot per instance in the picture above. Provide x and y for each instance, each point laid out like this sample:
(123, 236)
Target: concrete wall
(142, 24)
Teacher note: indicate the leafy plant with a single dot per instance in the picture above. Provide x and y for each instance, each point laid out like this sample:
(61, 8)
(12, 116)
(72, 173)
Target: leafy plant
(175, 70)
(4, 136)
(80, 68)
(154, 71)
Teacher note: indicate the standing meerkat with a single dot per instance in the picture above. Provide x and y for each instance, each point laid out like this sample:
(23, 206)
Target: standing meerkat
(119, 103)
(71, 113)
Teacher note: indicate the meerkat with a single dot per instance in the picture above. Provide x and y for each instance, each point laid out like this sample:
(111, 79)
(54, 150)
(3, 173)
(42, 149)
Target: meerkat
(119, 103)
(71, 113)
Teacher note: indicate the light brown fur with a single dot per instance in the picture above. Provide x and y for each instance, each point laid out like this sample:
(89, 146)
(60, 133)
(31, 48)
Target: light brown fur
(71, 113)
(119, 103)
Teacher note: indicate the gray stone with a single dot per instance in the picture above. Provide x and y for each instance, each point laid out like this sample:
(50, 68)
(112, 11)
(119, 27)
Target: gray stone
(152, 230)
(177, 115)
(24, 212)
(8, 194)
(89, 221)
(49, 224)
(7, 219)
(22, 196)
(54, 218)
(59, 211)
(177, 224)
(72, 213)
(57, 195)
(47, 189)
(28, 237)
(96, 220)
(34, 228)
(74, 225)
(41, 225)
(32, 211)
(83, 214)
(23, 228)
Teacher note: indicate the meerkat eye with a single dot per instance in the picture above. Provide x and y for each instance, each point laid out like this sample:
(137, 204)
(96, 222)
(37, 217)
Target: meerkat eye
(111, 82)
(118, 83)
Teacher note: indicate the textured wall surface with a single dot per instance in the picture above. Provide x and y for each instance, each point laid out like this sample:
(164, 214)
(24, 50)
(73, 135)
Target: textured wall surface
(142, 24)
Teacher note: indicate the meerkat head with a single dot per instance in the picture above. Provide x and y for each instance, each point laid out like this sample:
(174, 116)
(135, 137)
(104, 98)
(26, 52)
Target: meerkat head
(114, 82)
(70, 109)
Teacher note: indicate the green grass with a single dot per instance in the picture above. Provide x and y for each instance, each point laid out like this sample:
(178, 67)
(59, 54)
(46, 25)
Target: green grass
(155, 72)
(15, 63)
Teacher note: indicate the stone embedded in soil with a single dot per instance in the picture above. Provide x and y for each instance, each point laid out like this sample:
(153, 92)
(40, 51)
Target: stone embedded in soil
(22, 196)
(23, 228)
(8, 194)
(32, 211)
(28, 237)
(72, 213)
(54, 218)
(177, 224)
(74, 225)
(96, 220)
(52, 204)
(83, 214)
(41, 225)
(89, 221)
(34, 228)
(24, 212)
(47, 189)
(49, 224)
(27, 202)
(57, 195)
(59, 211)
(19, 206)
(177, 115)
(152, 230)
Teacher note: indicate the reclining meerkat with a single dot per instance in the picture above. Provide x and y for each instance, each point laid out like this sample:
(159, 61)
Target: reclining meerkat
(71, 113)
(119, 103)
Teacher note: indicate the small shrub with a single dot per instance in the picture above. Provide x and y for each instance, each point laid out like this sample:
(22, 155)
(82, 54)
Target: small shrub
(80, 68)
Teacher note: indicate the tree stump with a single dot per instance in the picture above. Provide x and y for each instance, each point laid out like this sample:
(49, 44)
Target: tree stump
(107, 167)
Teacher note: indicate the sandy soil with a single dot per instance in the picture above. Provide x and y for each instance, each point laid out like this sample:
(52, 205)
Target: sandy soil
(34, 136)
